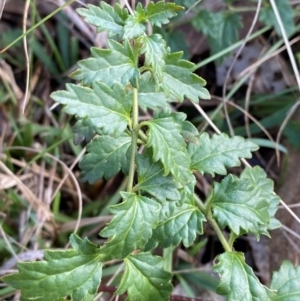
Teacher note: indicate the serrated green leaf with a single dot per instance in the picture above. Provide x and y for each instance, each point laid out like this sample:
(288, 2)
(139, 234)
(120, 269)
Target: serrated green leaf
(145, 279)
(286, 13)
(206, 22)
(180, 81)
(219, 152)
(76, 272)
(106, 17)
(82, 132)
(240, 205)
(258, 178)
(131, 226)
(105, 157)
(133, 28)
(158, 13)
(286, 282)
(110, 66)
(148, 95)
(179, 223)
(103, 107)
(228, 24)
(154, 49)
(238, 281)
(169, 147)
(152, 180)
(188, 131)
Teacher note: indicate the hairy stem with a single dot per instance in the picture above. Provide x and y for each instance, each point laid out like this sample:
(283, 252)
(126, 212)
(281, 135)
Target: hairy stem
(135, 128)
(218, 231)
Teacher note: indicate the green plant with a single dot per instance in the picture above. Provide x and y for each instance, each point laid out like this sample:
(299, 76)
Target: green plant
(160, 156)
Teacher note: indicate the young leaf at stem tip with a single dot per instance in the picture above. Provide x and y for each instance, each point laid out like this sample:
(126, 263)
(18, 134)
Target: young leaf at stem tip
(157, 13)
(106, 18)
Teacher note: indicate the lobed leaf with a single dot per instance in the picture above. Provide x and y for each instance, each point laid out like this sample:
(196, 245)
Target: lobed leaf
(206, 22)
(148, 95)
(180, 81)
(76, 272)
(110, 66)
(228, 25)
(188, 131)
(178, 223)
(238, 281)
(102, 107)
(105, 157)
(83, 132)
(133, 28)
(152, 180)
(145, 279)
(286, 14)
(169, 147)
(158, 13)
(131, 226)
(258, 178)
(219, 152)
(240, 205)
(106, 17)
(286, 282)
(154, 49)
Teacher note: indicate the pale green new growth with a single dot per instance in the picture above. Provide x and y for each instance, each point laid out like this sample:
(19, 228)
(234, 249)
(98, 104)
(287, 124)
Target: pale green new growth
(136, 73)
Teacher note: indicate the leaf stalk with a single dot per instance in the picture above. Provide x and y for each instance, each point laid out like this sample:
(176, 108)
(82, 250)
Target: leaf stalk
(219, 232)
(134, 137)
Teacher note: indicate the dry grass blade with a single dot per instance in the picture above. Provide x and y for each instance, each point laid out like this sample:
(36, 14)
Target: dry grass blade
(7, 181)
(31, 197)
(2, 4)
(7, 75)
(26, 96)
(233, 62)
(67, 169)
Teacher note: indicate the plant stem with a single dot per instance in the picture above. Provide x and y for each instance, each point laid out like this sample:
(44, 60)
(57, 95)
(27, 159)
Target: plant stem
(207, 212)
(219, 232)
(168, 258)
(143, 136)
(135, 128)
(232, 239)
(200, 204)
